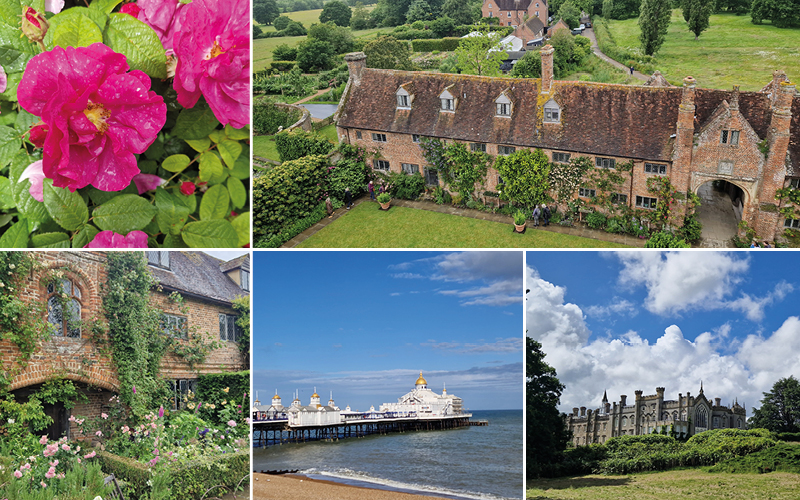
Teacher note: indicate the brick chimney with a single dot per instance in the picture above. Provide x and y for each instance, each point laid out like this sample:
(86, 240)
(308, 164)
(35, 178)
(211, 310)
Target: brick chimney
(734, 104)
(547, 68)
(684, 143)
(583, 411)
(356, 62)
(717, 401)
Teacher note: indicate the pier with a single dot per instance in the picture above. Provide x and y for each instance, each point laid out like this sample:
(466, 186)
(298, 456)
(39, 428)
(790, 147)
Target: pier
(272, 432)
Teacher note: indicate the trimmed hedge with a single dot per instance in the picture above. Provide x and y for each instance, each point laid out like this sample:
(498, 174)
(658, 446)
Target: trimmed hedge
(290, 231)
(210, 388)
(268, 117)
(134, 474)
(429, 45)
(294, 144)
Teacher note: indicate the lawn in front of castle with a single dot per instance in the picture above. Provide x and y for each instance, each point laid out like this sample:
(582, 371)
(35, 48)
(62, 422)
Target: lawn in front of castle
(732, 51)
(365, 226)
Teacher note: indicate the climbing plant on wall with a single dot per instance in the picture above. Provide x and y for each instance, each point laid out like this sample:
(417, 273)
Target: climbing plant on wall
(242, 306)
(607, 182)
(666, 194)
(526, 176)
(565, 178)
(461, 170)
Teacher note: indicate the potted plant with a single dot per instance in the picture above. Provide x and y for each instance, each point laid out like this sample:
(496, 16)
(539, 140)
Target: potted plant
(384, 199)
(519, 221)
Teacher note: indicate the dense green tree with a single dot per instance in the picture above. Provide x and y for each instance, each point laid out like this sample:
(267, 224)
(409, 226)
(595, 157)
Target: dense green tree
(340, 38)
(569, 52)
(780, 408)
(419, 10)
(699, 14)
(782, 13)
(460, 11)
(281, 23)
(265, 11)
(284, 52)
(686, 9)
(361, 19)
(654, 20)
(481, 54)
(295, 29)
(608, 8)
(738, 7)
(570, 14)
(315, 55)
(545, 434)
(442, 26)
(387, 52)
(336, 12)
(530, 66)
(392, 12)
(525, 175)
(625, 9)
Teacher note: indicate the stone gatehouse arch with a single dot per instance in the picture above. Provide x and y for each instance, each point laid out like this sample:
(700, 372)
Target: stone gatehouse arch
(748, 186)
(719, 225)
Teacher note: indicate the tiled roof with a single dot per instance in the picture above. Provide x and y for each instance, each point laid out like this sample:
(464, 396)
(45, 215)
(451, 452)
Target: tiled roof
(198, 274)
(535, 24)
(794, 139)
(512, 4)
(239, 262)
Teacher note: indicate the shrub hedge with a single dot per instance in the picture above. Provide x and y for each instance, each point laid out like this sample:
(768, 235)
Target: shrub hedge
(294, 144)
(210, 388)
(268, 118)
(282, 66)
(429, 45)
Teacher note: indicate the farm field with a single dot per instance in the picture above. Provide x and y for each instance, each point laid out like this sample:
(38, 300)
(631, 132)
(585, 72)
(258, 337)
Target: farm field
(732, 51)
(688, 483)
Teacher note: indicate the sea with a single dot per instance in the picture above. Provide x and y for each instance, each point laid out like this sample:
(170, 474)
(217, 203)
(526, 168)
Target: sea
(477, 462)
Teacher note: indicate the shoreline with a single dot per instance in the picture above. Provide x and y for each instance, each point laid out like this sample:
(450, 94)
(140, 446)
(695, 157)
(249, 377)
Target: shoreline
(301, 487)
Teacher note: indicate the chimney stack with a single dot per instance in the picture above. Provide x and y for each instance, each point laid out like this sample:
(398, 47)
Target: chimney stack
(547, 68)
(717, 401)
(583, 411)
(356, 62)
(622, 400)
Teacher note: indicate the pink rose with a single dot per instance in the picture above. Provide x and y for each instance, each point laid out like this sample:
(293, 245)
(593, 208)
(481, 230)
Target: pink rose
(132, 9)
(163, 16)
(97, 114)
(17, 474)
(187, 188)
(110, 239)
(90, 455)
(147, 182)
(43, 440)
(213, 51)
(231, 423)
(3, 80)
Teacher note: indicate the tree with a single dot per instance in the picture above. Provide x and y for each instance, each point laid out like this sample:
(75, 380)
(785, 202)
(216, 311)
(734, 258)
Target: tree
(315, 55)
(525, 175)
(419, 11)
(284, 52)
(459, 11)
(341, 39)
(387, 52)
(442, 26)
(391, 12)
(654, 17)
(530, 66)
(782, 13)
(361, 19)
(625, 9)
(481, 54)
(545, 435)
(281, 23)
(295, 29)
(570, 14)
(337, 12)
(265, 11)
(780, 408)
(699, 13)
(608, 8)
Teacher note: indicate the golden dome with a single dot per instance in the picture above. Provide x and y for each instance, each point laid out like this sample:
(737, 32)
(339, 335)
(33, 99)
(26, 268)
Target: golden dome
(315, 395)
(276, 397)
(421, 380)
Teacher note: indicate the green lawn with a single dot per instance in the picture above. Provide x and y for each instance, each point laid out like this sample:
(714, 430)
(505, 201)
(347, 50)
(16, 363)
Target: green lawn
(366, 226)
(597, 70)
(264, 146)
(329, 131)
(732, 51)
(690, 483)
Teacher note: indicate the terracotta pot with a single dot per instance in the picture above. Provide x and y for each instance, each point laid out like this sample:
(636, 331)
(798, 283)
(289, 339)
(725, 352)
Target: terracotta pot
(519, 228)
(385, 206)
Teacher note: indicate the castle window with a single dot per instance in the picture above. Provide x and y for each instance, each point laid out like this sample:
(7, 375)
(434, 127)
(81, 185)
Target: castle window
(174, 326)
(552, 113)
(561, 157)
(619, 199)
(228, 329)
(702, 417)
(794, 183)
(431, 177)
(730, 137)
(645, 202)
(604, 162)
(180, 392)
(653, 168)
(410, 168)
(587, 193)
(380, 165)
(415, 138)
(477, 147)
(64, 308)
(379, 137)
(792, 223)
(358, 134)
(158, 258)
(505, 150)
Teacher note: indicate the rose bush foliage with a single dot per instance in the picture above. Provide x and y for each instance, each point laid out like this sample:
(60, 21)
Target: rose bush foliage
(124, 125)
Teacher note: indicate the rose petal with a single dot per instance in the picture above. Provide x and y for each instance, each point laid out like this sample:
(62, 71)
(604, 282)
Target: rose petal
(110, 239)
(36, 175)
(147, 182)
(53, 6)
(3, 80)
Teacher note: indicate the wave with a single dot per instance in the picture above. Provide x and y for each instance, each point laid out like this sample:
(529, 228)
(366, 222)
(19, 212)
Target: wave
(358, 478)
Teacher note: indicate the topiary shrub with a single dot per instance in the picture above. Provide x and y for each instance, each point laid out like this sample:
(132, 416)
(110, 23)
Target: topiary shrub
(268, 118)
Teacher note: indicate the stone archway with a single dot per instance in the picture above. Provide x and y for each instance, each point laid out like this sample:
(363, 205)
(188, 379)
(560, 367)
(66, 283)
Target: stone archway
(723, 204)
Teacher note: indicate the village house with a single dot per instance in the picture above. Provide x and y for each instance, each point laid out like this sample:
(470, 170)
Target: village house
(515, 12)
(686, 416)
(749, 142)
(207, 285)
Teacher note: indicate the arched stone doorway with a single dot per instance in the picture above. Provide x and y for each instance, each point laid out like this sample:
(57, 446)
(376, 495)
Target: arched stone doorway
(722, 205)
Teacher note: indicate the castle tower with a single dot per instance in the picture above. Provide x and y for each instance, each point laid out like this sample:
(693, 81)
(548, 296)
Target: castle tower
(296, 400)
(421, 383)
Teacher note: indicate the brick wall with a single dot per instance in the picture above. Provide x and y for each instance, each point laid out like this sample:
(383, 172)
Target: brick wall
(517, 17)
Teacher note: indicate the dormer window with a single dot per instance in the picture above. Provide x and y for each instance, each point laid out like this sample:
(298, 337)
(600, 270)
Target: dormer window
(403, 98)
(158, 258)
(503, 105)
(448, 101)
(245, 280)
(552, 113)
(402, 101)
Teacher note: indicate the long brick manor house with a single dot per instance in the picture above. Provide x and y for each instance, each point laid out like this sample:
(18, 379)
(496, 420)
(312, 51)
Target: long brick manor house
(208, 286)
(747, 141)
(687, 415)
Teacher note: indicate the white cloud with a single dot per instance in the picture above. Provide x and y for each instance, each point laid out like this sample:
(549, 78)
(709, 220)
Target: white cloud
(508, 345)
(621, 365)
(617, 306)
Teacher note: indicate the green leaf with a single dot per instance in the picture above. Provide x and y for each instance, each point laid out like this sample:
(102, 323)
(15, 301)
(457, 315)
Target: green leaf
(16, 236)
(230, 151)
(10, 11)
(123, 214)
(237, 134)
(237, 191)
(175, 163)
(127, 35)
(215, 203)
(50, 240)
(241, 169)
(84, 236)
(24, 121)
(99, 197)
(6, 196)
(104, 6)
(242, 226)
(217, 233)
(66, 208)
(10, 145)
(72, 28)
(199, 145)
(173, 241)
(172, 212)
(156, 150)
(195, 123)
(210, 167)
(217, 135)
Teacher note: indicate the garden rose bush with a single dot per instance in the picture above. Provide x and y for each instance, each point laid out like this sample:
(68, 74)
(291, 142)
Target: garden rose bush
(124, 126)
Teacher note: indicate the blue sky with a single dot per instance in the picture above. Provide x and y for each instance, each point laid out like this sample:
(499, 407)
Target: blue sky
(621, 321)
(363, 324)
